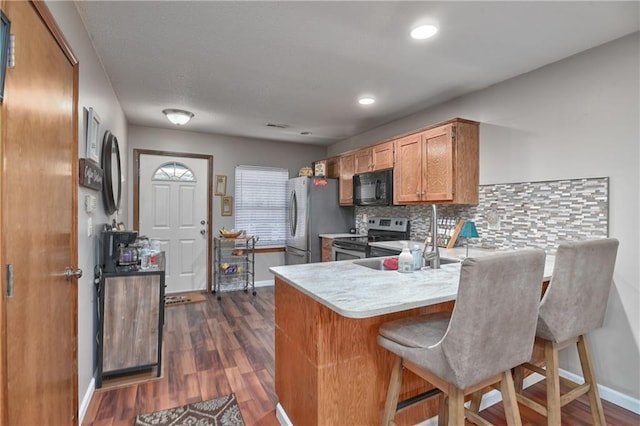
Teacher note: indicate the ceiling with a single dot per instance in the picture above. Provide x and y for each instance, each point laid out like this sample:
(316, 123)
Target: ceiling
(239, 65)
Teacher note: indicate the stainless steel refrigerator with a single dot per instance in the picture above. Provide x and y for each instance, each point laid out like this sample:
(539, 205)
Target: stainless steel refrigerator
(313, 209)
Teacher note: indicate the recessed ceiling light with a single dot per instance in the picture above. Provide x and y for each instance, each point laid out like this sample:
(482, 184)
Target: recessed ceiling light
(178, 117)
(423, 32)
(366, 100)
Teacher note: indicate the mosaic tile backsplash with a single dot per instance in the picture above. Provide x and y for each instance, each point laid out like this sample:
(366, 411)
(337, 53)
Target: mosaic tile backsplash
(517, 215)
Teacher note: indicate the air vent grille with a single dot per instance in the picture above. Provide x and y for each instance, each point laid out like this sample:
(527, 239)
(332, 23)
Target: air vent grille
(277, 125)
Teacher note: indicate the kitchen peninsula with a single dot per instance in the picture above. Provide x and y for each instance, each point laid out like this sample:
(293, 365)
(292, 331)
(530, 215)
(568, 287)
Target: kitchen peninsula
(329, 367)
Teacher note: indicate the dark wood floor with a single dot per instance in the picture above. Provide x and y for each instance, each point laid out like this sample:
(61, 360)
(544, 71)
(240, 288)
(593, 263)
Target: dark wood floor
(216, 347)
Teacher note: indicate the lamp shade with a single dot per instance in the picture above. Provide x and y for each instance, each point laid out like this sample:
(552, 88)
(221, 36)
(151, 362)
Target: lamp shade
(468, 230)
(178, 117)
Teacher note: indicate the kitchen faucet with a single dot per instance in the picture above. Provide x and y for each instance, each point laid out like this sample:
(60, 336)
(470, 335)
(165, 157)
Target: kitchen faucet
(433, 257)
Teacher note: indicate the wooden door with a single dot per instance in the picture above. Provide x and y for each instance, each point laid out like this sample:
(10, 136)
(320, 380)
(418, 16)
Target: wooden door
(438, 166)
(174, 204)
(347, 167)
(382, 156)
(39, 237)
(407, 174)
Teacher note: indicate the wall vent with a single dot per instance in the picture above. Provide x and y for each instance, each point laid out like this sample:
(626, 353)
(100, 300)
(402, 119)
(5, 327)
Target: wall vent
(278, 126)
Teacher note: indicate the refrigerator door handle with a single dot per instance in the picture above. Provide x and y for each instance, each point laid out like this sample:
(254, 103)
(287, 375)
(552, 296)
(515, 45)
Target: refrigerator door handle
(295, 213)
(294, 222)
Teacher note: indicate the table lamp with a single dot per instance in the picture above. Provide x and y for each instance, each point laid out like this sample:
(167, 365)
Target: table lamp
(468, 231)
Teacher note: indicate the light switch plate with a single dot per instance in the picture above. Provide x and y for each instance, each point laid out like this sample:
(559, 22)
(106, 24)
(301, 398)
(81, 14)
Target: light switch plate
(90, 203)
(89, 227)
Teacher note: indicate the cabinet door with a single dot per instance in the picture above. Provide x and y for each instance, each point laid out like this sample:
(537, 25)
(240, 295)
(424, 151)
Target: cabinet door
(363, 161)
(382, 156)
(438, 182)
(131, 321)
(347, 167)
(333, 168)
(407, 173)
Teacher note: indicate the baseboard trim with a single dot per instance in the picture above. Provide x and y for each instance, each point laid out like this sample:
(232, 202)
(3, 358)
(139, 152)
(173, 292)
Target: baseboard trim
(86, 400)
(608, 394)
(265, 283)
(282, 417)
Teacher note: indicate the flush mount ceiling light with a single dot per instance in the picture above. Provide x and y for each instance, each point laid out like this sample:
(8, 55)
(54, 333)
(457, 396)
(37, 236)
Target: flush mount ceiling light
(423, 32)
(179, 117)
(366, 100)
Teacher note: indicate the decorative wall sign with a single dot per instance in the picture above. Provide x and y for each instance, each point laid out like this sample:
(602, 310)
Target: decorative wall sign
(90, 174)
(221, 185)
(227, 206)
(93, 135)
(5, 35)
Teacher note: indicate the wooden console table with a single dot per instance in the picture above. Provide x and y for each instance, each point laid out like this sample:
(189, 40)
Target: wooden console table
(131, 316)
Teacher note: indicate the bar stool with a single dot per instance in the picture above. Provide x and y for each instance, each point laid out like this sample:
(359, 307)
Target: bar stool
(574, 304)
(490, 331)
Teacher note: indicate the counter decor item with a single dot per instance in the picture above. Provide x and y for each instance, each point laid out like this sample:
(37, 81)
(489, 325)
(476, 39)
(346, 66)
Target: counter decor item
(319, 168)
(306, 171)
(468, 231)
(230, 234)
(405, 260)
(448, 231)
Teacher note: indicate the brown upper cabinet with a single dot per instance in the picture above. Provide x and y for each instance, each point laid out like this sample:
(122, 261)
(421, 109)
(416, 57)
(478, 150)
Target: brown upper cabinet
(347, 168)
(382, 156)
(373, 158)
(438, 165)
(363, 160)
(333, 168)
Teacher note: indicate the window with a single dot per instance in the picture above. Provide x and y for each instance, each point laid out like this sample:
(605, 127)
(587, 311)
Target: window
(261, 203)
(174, 171)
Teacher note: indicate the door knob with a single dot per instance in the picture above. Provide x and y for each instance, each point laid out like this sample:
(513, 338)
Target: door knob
(203, 231)
(71, 273)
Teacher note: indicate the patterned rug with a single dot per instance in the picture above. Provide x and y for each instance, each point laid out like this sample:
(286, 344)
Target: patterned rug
(222, 411)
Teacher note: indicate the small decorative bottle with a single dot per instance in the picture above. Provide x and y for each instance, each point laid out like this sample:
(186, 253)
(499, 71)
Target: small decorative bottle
(405, 261)
(417, 257)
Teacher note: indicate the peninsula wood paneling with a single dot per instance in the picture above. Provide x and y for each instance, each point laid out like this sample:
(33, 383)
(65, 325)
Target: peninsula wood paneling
(330, 369)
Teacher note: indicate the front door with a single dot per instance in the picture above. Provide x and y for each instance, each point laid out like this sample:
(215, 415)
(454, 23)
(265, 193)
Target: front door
(39, 237)
(173, 200)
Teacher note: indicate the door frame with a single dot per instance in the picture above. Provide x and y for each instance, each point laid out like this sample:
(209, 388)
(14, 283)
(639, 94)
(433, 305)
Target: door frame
(48, 20)
(136, 195)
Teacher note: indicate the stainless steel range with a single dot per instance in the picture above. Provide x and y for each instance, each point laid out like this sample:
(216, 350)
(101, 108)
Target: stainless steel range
(379, 229)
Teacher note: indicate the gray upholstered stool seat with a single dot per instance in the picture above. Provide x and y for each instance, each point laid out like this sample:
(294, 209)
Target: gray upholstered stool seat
(574, 304)
(490, 331)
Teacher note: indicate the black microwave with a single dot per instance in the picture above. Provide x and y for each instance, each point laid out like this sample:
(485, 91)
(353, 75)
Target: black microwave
(373, 188)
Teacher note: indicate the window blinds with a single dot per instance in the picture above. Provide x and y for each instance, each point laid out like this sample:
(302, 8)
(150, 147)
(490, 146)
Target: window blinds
(261, 203)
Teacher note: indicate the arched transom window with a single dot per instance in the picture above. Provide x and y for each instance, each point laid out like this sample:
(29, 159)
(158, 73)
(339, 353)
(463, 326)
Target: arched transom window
(175, 172)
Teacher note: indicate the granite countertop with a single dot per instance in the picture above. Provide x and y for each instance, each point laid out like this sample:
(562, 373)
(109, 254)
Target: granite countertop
(355, 291)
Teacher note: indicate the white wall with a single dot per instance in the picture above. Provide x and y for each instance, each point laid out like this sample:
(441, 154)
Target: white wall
(95, 91)
(575, 118)
(228, 152)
